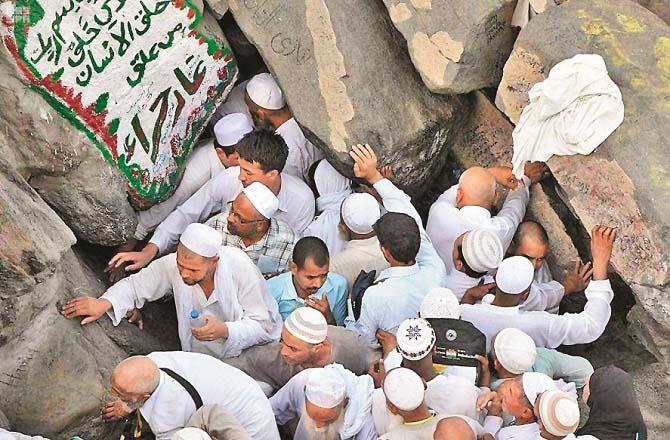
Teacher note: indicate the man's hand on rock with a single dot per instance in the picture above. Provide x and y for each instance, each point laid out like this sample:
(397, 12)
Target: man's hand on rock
(365, 164)
(91, 308)
(536, 171)
(137, 260)
(115, 410)
(504, 177)
(602, 240)
(577, 279)
(135, 318)
(212, 330)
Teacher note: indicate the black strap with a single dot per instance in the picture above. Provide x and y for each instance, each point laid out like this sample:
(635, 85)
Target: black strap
(187, 386)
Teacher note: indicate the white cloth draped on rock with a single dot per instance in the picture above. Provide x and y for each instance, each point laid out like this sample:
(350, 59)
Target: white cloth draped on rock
(571, 112)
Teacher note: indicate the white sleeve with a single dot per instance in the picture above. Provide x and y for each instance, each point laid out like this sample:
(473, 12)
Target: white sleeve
(587, 326)
(208, 200)
(544, 297)
(289, 400)
(366, 326)
(368, 431)
(149, 284)
(511, 214)
(492, 425)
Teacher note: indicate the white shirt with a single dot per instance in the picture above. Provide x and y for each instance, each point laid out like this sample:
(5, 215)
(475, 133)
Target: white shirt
(201, 165)
(398, 291)
(6, 435)
(240, 299)
(301, 153)
(446, 222)
(544, 297)
(296, 206)
(170, 406)
(359, 255)
(546, 329)
(519, 432)
(234, 103)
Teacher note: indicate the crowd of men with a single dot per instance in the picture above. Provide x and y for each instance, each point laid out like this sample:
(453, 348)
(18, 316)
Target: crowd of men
(306, 302)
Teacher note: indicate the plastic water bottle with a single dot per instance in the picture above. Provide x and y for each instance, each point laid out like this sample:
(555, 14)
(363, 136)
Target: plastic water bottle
(196, 320)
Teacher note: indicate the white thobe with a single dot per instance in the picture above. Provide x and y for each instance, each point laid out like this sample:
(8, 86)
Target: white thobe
(357, 255)
(530, 431)
(6, 435)
(544, 297)
(446, 222)
(170, 406)
(234, 103)
(398, 291)
(201, 165)
(546, 329)
(296, 206)
(301, 153)
(240, 299)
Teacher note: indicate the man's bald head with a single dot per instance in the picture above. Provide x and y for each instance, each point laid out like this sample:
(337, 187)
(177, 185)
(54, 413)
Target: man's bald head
(453, 428)
(476, 187)
(135, 376)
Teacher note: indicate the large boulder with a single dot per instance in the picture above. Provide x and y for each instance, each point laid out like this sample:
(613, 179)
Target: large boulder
(456, 45)
(347, 77)
(658, 7)
(625, 182)
(128, 93)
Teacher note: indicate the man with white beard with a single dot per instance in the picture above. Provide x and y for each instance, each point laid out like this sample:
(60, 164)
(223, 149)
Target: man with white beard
(331, 402)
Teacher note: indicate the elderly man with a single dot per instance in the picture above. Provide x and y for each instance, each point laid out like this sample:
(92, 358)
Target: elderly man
(415, 268)
(168, 387)
(331, 402)
(513, 353)
(307, 342)
(248, 223)
(358, 214)
(262, 157)
(476, 253)
(468, 205)
(202, 164)
(309, 283)
(220, 283)
(557, 415)
(513, 282)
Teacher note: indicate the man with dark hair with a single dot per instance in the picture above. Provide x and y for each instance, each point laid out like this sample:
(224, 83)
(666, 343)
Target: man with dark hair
(262, 158)
(309, 283)
(416, 267)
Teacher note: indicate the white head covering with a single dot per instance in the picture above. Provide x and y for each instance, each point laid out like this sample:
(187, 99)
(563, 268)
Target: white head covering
(202, 239)
(482, 250)
(325, 388)
(191, 434)
(264, 200)
(360, 211)
(559, 413)
(536, 383)
(307, 324)
(416, 338)
(265, 92)
(404, 389)
(515, 350)
(332, 186)
(440, 302)
(230, 129)
(515, 274)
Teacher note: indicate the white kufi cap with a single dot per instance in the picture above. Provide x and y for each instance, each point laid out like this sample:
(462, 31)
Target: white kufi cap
(360, 211)
(230, 129)
(416, 339)
(325, 388)
(515, 350)
(515, 274)
(440, 302)
(191, 434)
(559, 412)
(307, 324)
(264, 200)
(536, 383)
(202, 239)
(482, 250)
(404, 389)
(265, 92)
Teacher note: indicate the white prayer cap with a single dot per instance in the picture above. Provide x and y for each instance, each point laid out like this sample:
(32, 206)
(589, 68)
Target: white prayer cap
(307, 324)
(191, 434)
(360, 211)
(416, 338)
(536, 383)
(404, 389)
(265, 92)
(325, 388)
(515, 274)
(559, 412)
(482, 250)
(231, 129)
(264, 200)
(515, 350)
(440, 302)
(202, 239)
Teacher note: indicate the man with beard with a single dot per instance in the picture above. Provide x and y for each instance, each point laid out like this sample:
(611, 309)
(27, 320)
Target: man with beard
(157, 385)
(220, 283)
(331, 402)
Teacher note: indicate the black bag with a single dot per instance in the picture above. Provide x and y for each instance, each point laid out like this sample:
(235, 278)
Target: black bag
(457, 343)
(362, 282)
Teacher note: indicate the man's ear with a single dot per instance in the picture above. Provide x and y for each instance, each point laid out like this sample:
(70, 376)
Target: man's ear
(293, 267)
(458, 265)
(386, 253)
(527, 414)
(496, 197)
(392, 408)
(460, 195)
(272, 174)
